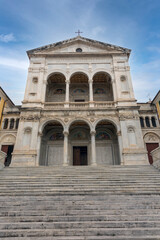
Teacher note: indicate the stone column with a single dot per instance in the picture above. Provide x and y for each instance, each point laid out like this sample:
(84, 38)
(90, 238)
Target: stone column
(93, 149)
(67, 94)
(144, 118)
(65, 159)
(91, 93)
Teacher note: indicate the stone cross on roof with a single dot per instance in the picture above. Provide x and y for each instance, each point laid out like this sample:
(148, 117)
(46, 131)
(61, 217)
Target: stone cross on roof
(79, 32)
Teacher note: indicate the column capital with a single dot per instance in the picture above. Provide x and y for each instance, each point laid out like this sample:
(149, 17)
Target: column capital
(93, 133)
(67, 81)
(90, 80)
(65, 133)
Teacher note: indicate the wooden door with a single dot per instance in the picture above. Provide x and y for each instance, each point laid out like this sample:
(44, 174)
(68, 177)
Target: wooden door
(150, 148)
(76, 156)
(83, 156)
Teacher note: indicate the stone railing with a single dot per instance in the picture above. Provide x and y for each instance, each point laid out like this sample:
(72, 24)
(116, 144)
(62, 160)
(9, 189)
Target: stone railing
(156, 157)
(78, 105)
(2, 159)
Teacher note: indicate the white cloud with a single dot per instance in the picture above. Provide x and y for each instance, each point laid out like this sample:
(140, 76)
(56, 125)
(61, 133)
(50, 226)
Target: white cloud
(11, 62)
(97, 30)
(7, 37)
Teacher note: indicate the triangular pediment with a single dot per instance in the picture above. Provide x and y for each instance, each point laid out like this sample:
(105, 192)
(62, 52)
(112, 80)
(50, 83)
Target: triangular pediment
(85, 44)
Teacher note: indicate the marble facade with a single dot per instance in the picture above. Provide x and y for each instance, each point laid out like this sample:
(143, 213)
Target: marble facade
(79, 94)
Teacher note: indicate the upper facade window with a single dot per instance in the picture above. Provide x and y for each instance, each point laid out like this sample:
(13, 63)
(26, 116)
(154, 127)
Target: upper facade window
(79, 50)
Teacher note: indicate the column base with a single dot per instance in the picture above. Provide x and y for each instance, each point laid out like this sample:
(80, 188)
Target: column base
(65, 164)
(93, 164)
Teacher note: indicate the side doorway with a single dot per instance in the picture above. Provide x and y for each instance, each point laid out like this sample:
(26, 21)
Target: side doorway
(150, 147)
(8, 149)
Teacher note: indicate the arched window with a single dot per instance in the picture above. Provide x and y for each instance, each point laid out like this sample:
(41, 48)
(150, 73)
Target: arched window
(17, 123)
(142, 122)
(5, 123)
(153, 122)
(11, 124)
(147, 121)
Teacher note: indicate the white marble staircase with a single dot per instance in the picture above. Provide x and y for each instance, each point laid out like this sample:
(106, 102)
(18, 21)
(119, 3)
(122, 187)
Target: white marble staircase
(80, 203)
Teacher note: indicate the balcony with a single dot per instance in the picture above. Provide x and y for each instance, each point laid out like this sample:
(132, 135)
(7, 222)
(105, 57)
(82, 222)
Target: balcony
(78, 105)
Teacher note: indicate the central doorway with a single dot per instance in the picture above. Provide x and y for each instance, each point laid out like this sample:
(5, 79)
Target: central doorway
(80, 156)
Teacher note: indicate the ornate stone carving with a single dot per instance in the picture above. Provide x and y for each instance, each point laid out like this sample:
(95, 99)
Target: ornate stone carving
(30, 118)
(66, 120)
(92, 119)
(150, 137)
(123, 117)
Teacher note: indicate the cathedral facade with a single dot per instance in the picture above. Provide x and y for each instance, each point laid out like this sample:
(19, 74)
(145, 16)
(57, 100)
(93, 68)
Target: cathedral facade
(79, 108)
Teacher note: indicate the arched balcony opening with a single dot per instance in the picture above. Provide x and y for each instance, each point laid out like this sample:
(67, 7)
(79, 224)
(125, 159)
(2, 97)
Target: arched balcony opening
(102, 87)
(56, 88)
(79, 88)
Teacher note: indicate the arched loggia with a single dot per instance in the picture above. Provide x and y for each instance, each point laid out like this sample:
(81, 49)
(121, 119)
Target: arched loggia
(56, 88)
(102, 87)
(107, 147)
(79, 88)
(79, 143)
(52, 144)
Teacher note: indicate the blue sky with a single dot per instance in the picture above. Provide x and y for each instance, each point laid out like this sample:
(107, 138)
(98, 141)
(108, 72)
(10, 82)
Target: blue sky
(27, 24)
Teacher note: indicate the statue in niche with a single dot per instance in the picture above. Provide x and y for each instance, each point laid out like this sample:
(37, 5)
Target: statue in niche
(102, 136)
(56, 136)
(99, 91)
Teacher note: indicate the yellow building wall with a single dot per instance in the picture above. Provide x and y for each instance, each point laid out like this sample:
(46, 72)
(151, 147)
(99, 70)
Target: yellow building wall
(2, 102)
(158, 109)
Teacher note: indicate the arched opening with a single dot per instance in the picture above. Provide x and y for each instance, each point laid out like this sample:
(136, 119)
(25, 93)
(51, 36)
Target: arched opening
(79, 144)
(107, 148)
(152, 142)
(52, 142)
(7, 146)
(17, 123)
(142, 122)
(11, 124)
(102, 87)
(147, 121)
(79, 88)
(56, 88)
(153, 121)
(5, 123)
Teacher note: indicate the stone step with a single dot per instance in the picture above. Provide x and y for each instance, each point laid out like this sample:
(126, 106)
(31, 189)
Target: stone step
(77, 224)
(135, 231)
(84, 218)
(59, 212)
(80, 203)
(154, 237)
